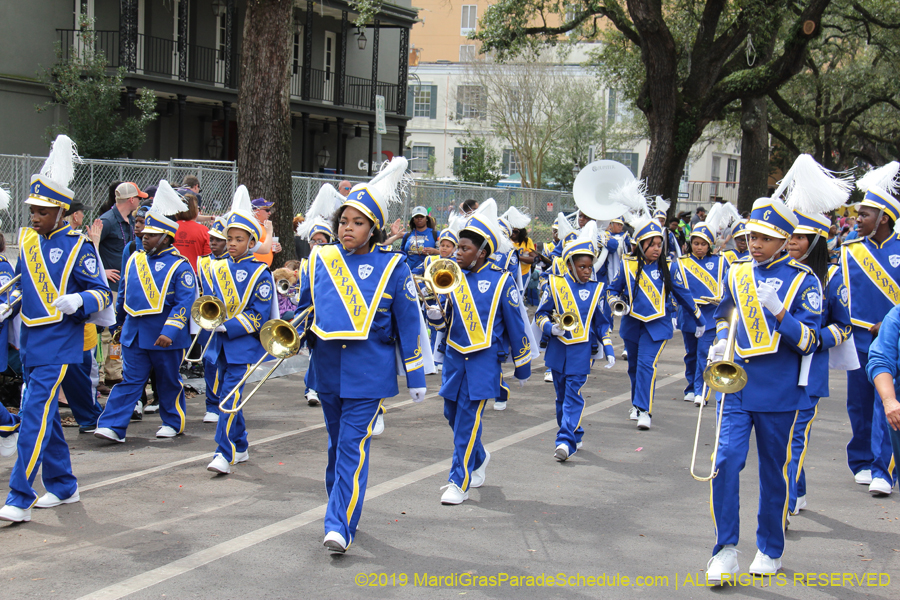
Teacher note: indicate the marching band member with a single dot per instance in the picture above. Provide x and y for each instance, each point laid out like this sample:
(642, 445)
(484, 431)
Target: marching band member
(218, 245)
(61, 286)
(671, 247)
(646, 281)
(246, 287)
(872, 274)
(152, 314)
(776, 297)
(485, 319)
(9, 423)
(569, 353)
(739, 234)
(377, 308)
(703, 274)
(563, 233)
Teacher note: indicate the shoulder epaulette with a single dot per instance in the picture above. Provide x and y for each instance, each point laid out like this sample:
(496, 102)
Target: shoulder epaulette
(494, 267)
(853, 241)
(385, 248)
(800, 266)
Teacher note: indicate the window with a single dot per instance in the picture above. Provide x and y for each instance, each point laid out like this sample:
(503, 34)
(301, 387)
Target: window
(510, 164)
(629, 159)
(714, 174)
(470, 102)
(297, 52)
(731, 172)
(422, 101)
(469, 19)
(611, 108)
(419, 158)
(467, 53)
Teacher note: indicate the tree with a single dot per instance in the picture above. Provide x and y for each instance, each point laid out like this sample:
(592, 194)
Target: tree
(80, 82)
(477, 162)
(264, 116)
(692, 55)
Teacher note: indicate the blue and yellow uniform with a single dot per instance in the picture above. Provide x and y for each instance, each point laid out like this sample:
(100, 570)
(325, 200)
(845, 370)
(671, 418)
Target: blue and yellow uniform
(9, 423)
(704, 277)
(156, 292)
(771, 352)
(205, 273)
(884, 357)
(872, 274)
(739, 230)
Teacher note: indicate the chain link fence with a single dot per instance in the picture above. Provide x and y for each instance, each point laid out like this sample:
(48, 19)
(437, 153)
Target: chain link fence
(218, 180)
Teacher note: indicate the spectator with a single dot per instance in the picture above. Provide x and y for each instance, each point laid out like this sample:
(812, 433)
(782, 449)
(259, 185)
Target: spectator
(192, 238)
(526, 249)
(344, 188)
(110, 197)
(421, 239)
(675, 228)
(191, 185)
(269, 246)
(468, 207)
(699, 215)
(75, 215)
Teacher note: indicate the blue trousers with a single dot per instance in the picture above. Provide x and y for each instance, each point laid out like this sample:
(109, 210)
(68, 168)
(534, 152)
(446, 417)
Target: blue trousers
(9, 423)
(642, 359)
(799, 446)
(349, 423)
(213, 387)
(569, 409)
(695, 354)
(870, 445)
(136, 366)
(774, 431)
(464, 416)
(41, 440)
(504, 390)
(231, 430)
(80, 387)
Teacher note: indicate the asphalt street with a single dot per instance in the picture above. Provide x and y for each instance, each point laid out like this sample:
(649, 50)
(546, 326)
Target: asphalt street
(154, 523)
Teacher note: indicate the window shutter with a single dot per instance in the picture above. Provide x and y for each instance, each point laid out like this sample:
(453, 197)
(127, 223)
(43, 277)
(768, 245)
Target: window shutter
(434, 102)
(411, 101)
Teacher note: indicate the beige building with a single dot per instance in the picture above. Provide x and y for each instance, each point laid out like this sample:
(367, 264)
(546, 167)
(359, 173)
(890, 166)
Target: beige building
(440, 34)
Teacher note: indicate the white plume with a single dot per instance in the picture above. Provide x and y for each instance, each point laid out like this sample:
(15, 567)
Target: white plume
(4, 199)
(810, 188)
(456, 221)
(60, 164)
(391, 182)
(660, 204)
(883, 178)
(241, 200)
(720, 216)
(518, 219)
(167, 202)
(633, 195)
(321, 209)
(563, 227)
(487, 210)
(588, 233)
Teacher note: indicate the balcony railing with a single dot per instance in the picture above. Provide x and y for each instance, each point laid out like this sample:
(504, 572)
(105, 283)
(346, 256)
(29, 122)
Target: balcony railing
(160, 57)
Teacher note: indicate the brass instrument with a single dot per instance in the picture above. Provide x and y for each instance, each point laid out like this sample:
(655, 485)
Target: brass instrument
(727, 377)
(281, 340)
(283, 286)
(568, 321)
(114, 338)
(12, 282)
(618, 307)
(208, 312)
(442, 276)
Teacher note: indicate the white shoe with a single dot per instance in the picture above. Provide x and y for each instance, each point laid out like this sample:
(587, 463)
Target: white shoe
(880, 487)
(166, 432)
(8, 444)
(312, 398)
(438, 367)
(211, 417)
(799, 505)
(477, 479)
(138, 413)
(624, 354)
(379, 425)
(15, 514)
(49, 500)
(151, 408)
(335, 542)
(643, 420)
(698, 400)
(219, 465)
(242, 456)
(561, 453)
(689, 397)
(633, 413)
(453, 495)
(498, 405)
(579, 445)
(548, 377)
(764, 565)
(725, 561)
(864, 477)
(105, 433)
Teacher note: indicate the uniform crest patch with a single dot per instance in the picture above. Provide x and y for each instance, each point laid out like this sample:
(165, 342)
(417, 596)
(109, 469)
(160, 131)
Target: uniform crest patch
(584, 294)
(894, 259)
(4, 279)
(774, 282)
(514, 294)
(815, 301)
(55, 255)
(655, 275)
(710, 265)
(411, 288)
(264, 290)
(241, 275)
(91, 265)
(159, 266)
(364, 271)
(484, 286)
(188, 280)
(845, 295)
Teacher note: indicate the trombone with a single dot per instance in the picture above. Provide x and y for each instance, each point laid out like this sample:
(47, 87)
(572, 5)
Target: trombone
(280, 339)
(724, 376)
(442, 276)
(208, 312)
(568, 321)
(12, 282)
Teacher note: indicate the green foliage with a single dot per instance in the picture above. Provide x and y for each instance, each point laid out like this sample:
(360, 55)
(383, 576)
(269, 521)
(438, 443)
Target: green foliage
(366, 10)
(92, 98)
(480, 163)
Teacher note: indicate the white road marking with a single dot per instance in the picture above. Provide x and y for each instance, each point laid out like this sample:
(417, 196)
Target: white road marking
(242, 542)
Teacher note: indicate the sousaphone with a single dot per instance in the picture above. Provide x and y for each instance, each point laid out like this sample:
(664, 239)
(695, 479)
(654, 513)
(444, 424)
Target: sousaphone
(593, 189)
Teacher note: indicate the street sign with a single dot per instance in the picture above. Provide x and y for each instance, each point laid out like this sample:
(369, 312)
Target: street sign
(379, 116)
(549, 207)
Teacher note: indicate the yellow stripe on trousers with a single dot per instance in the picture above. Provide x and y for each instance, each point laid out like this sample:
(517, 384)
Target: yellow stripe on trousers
(653, 379)
(351, 506)
(36, 451)
(805, 443)
(472, 436)
(784, 472)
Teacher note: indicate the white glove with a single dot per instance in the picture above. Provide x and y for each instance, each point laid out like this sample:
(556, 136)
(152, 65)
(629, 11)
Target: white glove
(68, 303)
(674, 322)
(610, 362)
(220, 329)
(522, 381)
(433, 313)
(417, 394)
(717, 351)
(5, 312)
(701, 329)
(768, 297)
(558, 331)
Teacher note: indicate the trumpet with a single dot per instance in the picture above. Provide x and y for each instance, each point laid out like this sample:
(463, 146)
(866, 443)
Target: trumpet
(283, 286)
(208, 312)
(442, 276)
(618, 306)
(724, 376)
(568, 321)
(280, 339)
